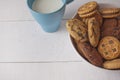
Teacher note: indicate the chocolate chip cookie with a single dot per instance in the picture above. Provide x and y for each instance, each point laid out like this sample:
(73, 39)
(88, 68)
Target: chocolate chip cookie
(87, 7)
(109, 47)
(77, 30)
(93, 32)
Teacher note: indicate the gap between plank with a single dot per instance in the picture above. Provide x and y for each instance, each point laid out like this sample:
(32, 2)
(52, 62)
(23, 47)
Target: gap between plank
(46, 62)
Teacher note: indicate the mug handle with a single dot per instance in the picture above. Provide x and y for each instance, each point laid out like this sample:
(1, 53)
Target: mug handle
(69, 1)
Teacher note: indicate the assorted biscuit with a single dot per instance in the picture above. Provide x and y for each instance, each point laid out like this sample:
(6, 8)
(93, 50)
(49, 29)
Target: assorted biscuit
(96, 33)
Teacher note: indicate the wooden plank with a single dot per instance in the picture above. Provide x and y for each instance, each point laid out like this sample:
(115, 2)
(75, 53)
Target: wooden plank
(55, 71)
(26, 41)
(14, 10)
(17, 10)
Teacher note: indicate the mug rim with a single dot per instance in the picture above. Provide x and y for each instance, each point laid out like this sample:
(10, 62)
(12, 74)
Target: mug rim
(64, 3)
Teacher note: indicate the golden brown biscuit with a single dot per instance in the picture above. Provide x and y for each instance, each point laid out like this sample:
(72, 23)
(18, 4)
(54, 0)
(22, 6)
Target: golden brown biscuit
(109, 47)
(113, 64)
(87, 7)
(90, 53)
(85, 20)
(115, 15)
(97, 16)
(109, 10)
(90, 14)
(93, 32)
(77, 30)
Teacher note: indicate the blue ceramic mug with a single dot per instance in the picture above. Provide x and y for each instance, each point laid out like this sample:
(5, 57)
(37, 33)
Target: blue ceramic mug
(50, 22)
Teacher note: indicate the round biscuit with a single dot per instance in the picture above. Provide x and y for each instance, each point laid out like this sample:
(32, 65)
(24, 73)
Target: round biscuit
(111, 15)
(87, 7)
(109, 10)
(90, 14)
(109, 47)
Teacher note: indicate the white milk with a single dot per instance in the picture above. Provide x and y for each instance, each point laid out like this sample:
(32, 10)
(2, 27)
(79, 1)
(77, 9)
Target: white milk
(47, 6)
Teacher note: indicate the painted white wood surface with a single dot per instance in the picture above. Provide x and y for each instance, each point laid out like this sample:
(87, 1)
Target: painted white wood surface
(28, 53)
(55, 71)
(25, 41)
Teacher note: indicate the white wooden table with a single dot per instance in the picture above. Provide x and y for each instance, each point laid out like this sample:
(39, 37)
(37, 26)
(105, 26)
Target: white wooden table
(29, 53)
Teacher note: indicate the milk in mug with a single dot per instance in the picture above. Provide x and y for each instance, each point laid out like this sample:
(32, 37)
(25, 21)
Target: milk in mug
(47, 6)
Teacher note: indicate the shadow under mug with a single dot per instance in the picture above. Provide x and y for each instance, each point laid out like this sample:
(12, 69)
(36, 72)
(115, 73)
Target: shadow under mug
(50, 22)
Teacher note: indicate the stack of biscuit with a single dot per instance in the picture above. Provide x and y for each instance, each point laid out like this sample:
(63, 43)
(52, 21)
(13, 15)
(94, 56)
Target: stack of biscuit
(96, 33)
(89, 10)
